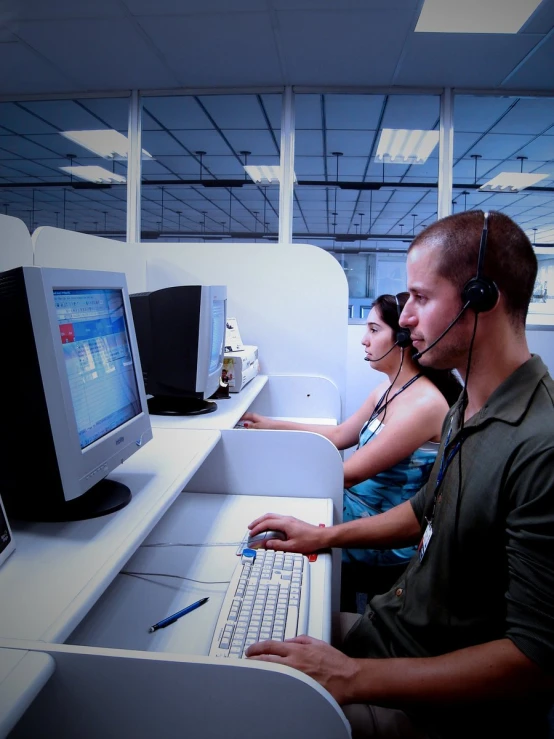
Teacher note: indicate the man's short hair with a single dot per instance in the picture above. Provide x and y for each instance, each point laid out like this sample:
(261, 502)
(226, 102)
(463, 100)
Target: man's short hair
(509, 260)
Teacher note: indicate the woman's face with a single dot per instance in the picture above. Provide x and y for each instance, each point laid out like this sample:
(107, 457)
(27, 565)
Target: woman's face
(378, 338)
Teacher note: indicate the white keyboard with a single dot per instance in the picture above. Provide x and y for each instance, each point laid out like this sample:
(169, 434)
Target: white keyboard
(266, 599)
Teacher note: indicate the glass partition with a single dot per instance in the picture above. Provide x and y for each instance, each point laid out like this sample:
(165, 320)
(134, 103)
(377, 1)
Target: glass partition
(64, 163)
(367, 182)
(196, 186)
(503, 151)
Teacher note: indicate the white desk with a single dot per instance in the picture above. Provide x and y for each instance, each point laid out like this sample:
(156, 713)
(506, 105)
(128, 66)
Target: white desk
(121, 617)
(229, 410)
(23, 674)
(59, 570)
(65, 583)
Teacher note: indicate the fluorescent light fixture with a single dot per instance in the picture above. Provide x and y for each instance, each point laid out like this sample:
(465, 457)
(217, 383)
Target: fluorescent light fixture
(107, 143)
(512, 181)
(475, 16)
(265, 174)
(99, 175)
(405, 146)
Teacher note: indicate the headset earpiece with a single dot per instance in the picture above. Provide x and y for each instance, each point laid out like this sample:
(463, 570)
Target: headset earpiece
(480, 293)
(402, 337)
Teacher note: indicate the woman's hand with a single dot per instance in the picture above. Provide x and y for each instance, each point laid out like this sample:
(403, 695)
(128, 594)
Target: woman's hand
(256, 421)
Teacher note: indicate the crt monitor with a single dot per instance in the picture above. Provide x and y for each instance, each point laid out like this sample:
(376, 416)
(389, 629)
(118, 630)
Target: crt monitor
(181, 335)
(72, 392)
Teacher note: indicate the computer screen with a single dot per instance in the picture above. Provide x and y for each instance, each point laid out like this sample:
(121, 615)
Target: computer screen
(180, 334)
(73, 389)
(98, 360)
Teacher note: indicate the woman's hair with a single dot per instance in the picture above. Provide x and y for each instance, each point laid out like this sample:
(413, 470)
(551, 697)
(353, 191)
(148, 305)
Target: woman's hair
(390, 310)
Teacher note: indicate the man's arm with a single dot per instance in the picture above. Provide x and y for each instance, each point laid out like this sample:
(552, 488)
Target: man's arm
(485, 672)
(396, 527)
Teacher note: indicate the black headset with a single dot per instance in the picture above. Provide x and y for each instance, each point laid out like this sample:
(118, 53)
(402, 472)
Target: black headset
(480, 293)
(402, 337)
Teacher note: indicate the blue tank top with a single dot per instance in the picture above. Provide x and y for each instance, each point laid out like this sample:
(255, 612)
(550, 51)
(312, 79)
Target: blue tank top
(384, 491)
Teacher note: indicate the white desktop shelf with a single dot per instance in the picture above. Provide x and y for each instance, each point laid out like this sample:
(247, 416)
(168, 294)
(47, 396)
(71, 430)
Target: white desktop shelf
(229, 410)
(59, 570)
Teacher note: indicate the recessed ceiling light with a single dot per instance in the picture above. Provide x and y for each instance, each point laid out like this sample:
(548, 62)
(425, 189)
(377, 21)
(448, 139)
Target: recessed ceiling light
(107, 143)
(265, 174)
(99, 175)
(475, 16)
(512, 181)
(405, 146)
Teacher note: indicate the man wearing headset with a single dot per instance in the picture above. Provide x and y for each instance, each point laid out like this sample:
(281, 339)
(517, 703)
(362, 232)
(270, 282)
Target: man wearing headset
(464, 641)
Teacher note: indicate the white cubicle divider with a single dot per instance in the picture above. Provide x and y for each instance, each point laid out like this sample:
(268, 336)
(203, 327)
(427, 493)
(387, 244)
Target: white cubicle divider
(280, 464)
(290, 300)
(113, 694)
(16, 248)
(300, 397)
(56, 247)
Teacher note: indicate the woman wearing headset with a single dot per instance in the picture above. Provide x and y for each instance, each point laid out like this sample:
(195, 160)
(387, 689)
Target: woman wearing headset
(397, 430)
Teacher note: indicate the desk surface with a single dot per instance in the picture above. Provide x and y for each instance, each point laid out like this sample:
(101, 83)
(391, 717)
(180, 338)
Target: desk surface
(229, 411)
(59, 570)
(212, 525)
(22, 675)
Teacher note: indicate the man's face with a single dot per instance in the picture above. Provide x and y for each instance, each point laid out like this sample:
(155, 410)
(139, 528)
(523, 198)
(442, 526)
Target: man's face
(433, 303)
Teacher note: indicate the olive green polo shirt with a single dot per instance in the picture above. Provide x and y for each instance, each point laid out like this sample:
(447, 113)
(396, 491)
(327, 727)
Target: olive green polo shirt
(488, 571)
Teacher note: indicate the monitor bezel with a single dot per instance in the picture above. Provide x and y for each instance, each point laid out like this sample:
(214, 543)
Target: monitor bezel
(80, 469)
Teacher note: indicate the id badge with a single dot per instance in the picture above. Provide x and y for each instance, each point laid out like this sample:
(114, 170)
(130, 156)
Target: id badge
(424, 543)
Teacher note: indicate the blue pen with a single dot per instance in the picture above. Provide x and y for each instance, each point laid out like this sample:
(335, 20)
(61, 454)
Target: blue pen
(171, 619)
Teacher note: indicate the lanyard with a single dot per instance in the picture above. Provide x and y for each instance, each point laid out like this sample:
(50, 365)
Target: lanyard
(379, 407)
(445, 462)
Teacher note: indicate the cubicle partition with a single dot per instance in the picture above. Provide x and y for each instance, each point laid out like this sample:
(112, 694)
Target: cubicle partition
(198, 483)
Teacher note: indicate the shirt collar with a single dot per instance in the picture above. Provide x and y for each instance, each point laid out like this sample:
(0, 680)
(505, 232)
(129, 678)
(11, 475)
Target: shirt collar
(511, 399)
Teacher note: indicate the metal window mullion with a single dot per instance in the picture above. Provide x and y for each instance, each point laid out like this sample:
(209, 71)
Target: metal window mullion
(134, 167)
(446, 153)
(286, 190)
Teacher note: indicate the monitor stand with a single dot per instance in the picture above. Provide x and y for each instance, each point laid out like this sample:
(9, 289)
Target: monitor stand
(167, 406)
(105, 497)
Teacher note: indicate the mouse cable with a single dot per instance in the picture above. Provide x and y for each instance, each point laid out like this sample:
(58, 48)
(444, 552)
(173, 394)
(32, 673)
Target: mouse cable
(132, 573)
(182, 544)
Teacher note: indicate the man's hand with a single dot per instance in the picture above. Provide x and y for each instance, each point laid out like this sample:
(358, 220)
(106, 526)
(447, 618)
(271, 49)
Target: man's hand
(301, 536)
(331, 668)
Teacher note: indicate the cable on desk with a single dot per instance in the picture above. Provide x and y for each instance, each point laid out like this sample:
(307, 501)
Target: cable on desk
(178, 577)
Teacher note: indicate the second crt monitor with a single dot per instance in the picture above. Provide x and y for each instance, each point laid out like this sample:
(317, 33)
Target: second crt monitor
(180, 334)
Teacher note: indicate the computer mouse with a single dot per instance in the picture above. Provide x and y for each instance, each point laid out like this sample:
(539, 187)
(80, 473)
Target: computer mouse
(254, 542)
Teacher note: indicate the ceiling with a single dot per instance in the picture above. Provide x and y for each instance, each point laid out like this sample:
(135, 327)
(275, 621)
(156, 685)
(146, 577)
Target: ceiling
(111, 46)
(78, 45)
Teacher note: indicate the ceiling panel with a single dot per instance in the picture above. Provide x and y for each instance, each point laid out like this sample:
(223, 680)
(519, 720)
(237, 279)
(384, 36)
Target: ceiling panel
(31, 73)
(362, 47)
(175, 112)
(112, 44)
(181, 7)
(461, 60)
(201, 50)
(538, 71)
(531, 116)
(60, 9)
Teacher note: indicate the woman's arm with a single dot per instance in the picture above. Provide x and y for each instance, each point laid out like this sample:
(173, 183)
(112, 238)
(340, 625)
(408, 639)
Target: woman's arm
(413, 422)
(342, 436)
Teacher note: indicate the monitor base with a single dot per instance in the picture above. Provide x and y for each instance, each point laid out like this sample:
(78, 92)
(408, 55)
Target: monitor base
(165, 406)
(107, 496)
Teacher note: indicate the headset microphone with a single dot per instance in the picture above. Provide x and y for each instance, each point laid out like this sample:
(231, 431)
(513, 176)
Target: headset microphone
(446, 330)
(378, 359)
